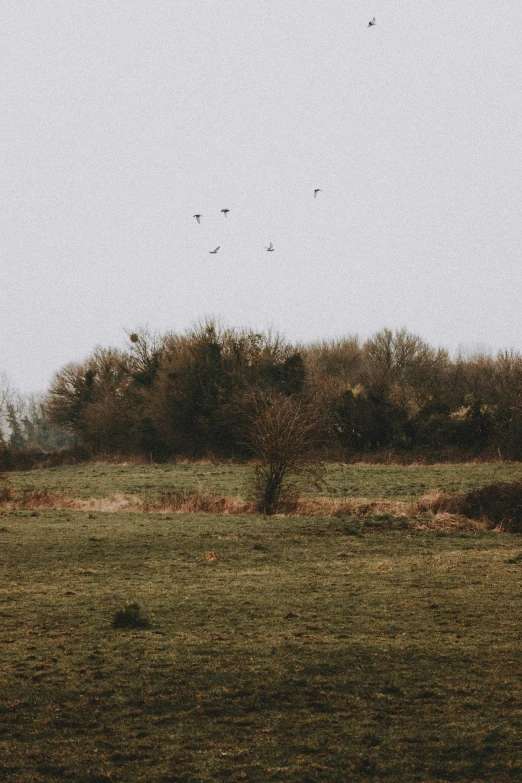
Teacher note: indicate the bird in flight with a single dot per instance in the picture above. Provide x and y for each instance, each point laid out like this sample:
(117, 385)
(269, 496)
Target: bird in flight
(271, 248)
(225, 211)
(214, 251)
(372, 23)
(197, 217)
(316, 191)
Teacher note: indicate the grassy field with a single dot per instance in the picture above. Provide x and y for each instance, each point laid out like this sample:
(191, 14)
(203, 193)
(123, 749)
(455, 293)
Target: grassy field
(100, 480)
(287, 649)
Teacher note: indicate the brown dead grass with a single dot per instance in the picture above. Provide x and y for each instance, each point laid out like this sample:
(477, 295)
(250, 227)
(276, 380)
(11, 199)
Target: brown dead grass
(445, 522)
(117, 502)
(495, 505)
(177, 502)
(437, 511)
(351, 507)
(186, 502)
(420, 514)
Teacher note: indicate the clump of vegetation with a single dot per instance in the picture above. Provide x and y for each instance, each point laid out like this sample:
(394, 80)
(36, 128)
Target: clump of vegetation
(282, 434)
(33, 497)
(129, 618)
(500, 503)
(187, 501)
(6, 492)
(391, 398)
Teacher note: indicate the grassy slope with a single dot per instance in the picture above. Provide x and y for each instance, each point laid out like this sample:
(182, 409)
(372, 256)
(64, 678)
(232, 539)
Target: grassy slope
(342, 480)
(306, 653)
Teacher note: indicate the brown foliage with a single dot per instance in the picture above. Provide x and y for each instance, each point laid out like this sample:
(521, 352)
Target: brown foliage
(190, 394)
(185, 502)
(498, 504)
(283, 433)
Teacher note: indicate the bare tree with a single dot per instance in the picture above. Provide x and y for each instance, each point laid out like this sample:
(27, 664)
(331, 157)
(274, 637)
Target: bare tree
(282, 433)
(404, 367)
(5, 387)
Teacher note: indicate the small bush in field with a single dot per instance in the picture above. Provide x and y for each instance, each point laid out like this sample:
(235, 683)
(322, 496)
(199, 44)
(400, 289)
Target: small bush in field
(282, 434)
(130, 617)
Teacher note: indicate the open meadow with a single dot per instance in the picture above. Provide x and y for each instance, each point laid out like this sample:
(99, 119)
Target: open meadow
(289, 648)
(341, 480)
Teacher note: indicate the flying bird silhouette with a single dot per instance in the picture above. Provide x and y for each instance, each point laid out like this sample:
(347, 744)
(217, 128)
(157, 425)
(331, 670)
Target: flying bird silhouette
(197, 217)
(224, 211)
(214, 251)
(271, 248)
(316, 191)
(371, 24)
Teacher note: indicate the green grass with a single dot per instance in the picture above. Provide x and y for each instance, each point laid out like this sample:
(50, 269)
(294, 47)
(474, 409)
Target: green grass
(406, 482)
(310, 649)
(100, 480)
(341, 480)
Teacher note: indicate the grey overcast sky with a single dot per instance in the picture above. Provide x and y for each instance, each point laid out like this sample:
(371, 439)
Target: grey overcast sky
(121, 119)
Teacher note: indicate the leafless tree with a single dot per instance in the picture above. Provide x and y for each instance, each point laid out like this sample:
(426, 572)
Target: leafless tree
(282, 432)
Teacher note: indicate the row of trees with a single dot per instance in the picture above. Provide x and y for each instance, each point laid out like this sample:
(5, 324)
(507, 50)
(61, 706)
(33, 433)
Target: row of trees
(194, 394)
(26, 424)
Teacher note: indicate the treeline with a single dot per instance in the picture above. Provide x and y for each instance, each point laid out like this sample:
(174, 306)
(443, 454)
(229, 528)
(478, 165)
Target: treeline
(192, 395)
(26, 424)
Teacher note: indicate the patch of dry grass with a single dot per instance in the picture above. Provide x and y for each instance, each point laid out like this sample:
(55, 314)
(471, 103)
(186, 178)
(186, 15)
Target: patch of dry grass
(184, 502)
(445, 522)
(495, 506)
(350, 507)
(42, 497)
(189, 502)
(117, 502)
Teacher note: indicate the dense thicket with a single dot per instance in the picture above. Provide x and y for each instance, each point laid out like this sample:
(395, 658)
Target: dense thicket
(191, 395)
(175, 394)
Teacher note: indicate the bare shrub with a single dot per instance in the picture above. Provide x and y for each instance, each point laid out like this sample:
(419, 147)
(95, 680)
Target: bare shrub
(282, 433)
